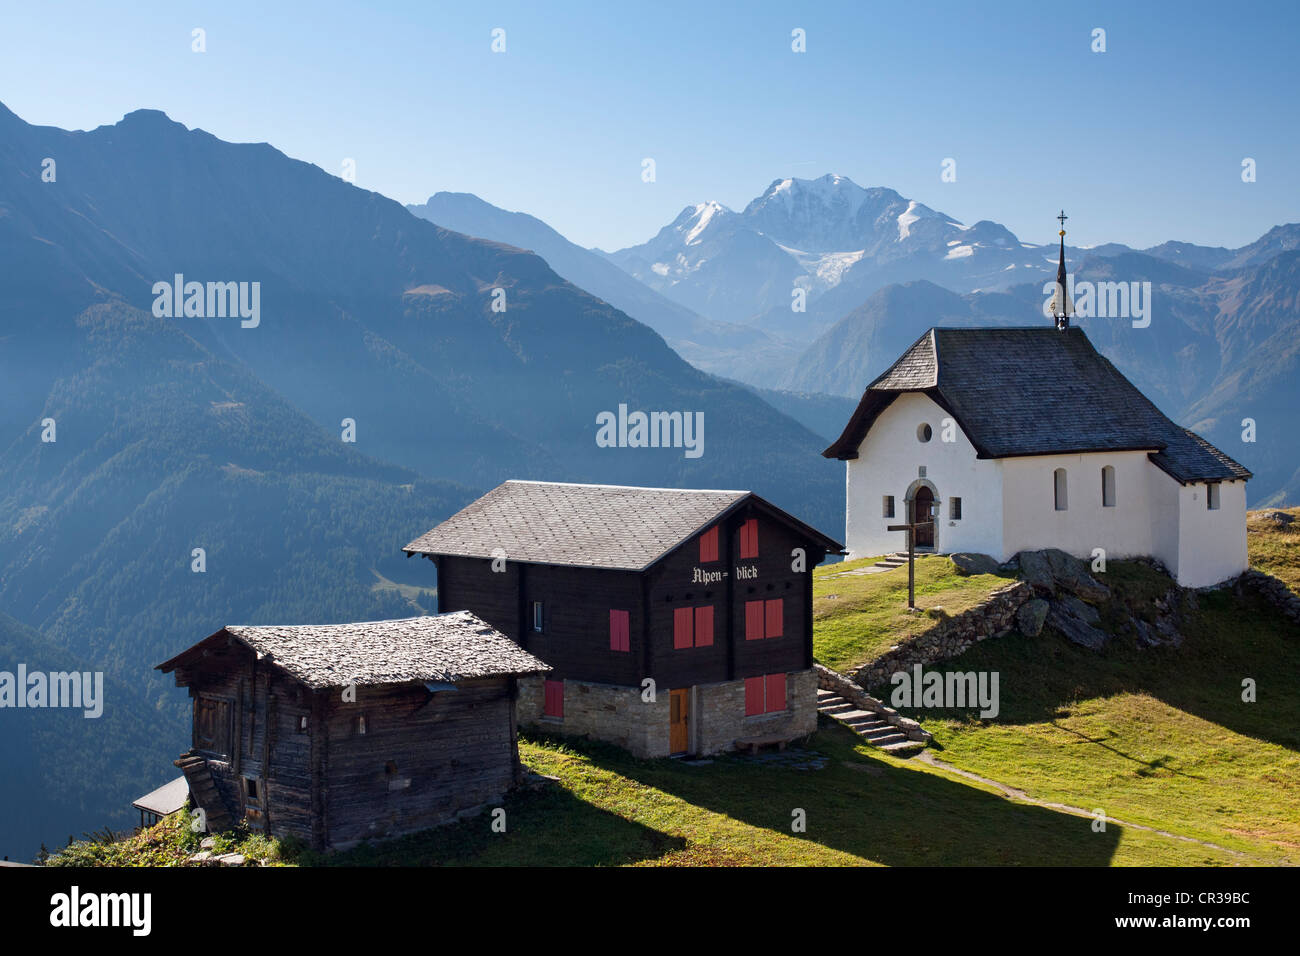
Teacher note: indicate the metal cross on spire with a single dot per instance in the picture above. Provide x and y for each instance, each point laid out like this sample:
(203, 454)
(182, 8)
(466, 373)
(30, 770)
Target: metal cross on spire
(1061, 306)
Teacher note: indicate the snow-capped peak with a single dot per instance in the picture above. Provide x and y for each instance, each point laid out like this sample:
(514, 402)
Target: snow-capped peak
(699, 220)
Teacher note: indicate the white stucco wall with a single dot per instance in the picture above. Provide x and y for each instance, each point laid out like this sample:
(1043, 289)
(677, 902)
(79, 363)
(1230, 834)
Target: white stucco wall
(1032, 521)
(1008, 505)
(888, 462)
(1211, 544)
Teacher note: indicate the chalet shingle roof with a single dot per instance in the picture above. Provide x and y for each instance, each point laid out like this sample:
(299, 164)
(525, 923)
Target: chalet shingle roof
(595, 526)
(1035, 391)
(444, 648)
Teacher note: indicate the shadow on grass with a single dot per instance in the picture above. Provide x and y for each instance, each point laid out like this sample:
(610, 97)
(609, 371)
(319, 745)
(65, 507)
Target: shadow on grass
(875, 809)
(547, 827)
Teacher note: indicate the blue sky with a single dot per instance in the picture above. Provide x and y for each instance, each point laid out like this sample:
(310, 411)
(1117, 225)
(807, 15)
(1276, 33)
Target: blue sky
(1140, 144)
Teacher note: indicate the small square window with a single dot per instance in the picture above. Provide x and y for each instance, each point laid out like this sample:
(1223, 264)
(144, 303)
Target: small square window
(888, 509)
(538, 616)
(954, 508)
(1212, 497)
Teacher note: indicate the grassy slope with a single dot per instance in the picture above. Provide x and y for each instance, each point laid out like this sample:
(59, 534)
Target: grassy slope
(859, 617)
(1155, 737)
(862, 807)
(1275, 548)
(1158, 738)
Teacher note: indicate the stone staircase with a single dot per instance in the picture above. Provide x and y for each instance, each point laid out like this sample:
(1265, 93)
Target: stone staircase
(898, 559)
(872, 727)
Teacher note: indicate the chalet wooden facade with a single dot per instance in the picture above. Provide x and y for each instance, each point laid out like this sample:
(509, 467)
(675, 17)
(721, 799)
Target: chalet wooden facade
(674, 621)
(339, 733)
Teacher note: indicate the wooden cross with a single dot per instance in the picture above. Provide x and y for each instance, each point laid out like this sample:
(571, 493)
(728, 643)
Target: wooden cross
(910, 528)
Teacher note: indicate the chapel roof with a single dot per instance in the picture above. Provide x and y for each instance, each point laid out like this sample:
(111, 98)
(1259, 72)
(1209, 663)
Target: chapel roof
(1035, 391)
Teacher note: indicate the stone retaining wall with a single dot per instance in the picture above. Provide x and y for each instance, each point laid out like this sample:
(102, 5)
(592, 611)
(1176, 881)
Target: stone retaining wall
(950, 636)
(1273, 591)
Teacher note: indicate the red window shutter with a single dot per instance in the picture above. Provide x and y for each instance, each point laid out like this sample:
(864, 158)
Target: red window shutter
(775, 624)
(682, 618)
(749, 539)
(709, 545)
(775, 693)
(704, 626)
(554, 706)
(753, 620)
(620, 631)
(753, 696)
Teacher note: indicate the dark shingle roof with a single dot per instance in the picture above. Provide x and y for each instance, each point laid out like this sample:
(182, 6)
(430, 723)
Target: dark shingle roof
(1035, 391)
(444, 647)
(594, 526)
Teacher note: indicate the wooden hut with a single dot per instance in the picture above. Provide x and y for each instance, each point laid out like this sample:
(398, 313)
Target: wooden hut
(343, 732)
(675, 621)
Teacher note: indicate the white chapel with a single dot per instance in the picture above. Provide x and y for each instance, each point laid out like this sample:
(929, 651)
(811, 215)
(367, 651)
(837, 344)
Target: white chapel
(1019, 439)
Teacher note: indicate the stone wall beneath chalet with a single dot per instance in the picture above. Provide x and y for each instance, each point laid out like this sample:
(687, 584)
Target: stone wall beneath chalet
(721, 721)
(618, 715)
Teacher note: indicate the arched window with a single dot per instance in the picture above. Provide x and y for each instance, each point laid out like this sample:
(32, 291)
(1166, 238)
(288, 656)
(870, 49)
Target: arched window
(1108, 487)
(1058, 488)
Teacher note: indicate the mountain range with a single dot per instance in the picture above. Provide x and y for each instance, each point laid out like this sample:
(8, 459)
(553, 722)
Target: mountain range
(877, 269)
(454, 362)
(402, 360)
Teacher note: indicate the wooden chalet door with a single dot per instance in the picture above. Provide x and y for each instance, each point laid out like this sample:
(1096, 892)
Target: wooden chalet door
(679, 738)
(923, 504)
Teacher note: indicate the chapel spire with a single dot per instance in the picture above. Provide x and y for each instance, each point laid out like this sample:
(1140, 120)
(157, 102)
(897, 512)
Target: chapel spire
(1061, 305)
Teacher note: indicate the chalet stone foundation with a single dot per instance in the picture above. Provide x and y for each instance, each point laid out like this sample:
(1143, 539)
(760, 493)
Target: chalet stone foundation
(618, 715)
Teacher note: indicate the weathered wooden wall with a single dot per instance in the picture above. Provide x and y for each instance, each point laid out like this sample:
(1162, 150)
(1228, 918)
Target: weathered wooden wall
(423, 758)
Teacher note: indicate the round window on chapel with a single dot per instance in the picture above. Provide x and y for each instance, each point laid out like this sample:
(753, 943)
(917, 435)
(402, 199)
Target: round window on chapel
(923, 432)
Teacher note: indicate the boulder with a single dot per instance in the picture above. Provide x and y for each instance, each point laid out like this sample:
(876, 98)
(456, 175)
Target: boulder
(1031, 617)
(1162, 634)
(1052, 570)
(1072, 575)
(969, 562)
(1278, 517)
(1035, 569)
(1075, 620)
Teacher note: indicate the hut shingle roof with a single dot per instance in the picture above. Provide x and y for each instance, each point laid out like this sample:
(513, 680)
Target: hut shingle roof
(444, 648)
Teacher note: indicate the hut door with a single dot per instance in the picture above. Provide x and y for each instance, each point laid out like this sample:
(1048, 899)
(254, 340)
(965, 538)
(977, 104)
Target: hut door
(924, 504)
(678, 732)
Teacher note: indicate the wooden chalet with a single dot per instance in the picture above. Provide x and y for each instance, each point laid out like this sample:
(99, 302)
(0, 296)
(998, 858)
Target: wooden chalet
(674, 621)
(344, 732)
